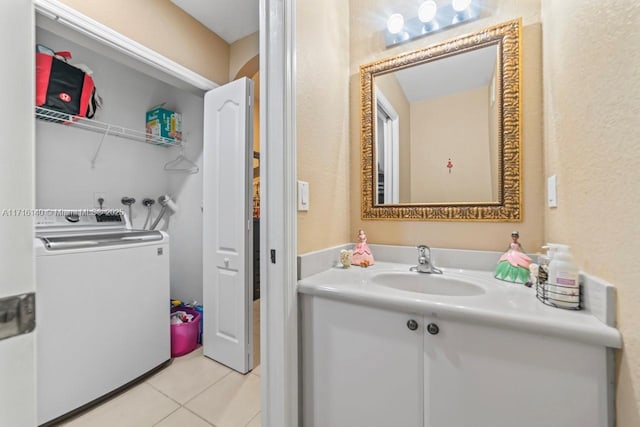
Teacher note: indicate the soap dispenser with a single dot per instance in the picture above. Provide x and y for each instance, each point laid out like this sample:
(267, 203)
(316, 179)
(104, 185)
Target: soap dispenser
(563, 285)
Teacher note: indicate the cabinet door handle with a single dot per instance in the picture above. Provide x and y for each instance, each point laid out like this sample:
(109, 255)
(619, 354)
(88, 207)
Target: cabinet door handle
(433, 329)
(412, 324)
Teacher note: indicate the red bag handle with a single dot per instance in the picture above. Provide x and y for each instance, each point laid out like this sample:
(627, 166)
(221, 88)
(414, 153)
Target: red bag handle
(64, 53)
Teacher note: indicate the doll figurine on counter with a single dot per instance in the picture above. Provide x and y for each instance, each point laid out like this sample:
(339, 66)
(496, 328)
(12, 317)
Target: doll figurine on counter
(361, 253)
(514, 264)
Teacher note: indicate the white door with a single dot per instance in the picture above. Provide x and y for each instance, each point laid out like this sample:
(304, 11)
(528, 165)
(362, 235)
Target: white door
(17, 355)
(228, 225)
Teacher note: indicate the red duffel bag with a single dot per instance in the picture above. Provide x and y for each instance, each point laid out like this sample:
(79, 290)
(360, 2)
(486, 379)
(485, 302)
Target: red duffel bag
(63, 87)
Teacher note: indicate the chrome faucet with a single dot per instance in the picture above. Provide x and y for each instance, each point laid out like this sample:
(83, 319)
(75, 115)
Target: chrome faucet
(424, 261)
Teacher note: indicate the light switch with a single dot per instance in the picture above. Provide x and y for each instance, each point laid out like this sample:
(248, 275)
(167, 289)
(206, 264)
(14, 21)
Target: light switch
(303, 196)
(552, 193)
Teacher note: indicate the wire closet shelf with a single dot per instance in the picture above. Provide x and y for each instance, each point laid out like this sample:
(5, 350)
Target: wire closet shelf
(53, 116)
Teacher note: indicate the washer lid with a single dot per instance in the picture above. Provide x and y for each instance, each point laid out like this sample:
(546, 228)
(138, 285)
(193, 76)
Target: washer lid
(85, 240)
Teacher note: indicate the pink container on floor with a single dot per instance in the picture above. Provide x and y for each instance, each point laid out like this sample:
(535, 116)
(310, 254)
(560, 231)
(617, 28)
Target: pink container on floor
(184, 336)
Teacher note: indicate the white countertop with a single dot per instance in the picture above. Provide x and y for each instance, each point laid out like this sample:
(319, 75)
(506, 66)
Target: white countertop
(506, 305)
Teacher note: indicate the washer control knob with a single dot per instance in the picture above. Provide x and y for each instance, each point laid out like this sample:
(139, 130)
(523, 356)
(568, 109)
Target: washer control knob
(412, 325)
(433, 329)
(72, 217)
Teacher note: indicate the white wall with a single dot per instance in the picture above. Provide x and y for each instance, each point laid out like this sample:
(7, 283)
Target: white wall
(65, 179)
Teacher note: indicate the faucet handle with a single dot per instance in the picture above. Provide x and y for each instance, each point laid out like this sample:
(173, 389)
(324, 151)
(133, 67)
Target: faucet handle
(423, 248)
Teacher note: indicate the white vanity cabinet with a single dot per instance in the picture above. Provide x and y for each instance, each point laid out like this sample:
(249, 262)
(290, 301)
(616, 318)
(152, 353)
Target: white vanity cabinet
(362, 366)
(477, 375)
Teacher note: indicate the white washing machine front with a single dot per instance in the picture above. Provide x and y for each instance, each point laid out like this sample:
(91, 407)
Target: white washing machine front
(102, 313)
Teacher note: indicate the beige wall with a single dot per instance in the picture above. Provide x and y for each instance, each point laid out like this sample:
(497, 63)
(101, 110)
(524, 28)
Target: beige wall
(367, 45)
(451, 127)
(322, 87)
(242, 52)
(591, 91)
(392, 90)
(165, 28)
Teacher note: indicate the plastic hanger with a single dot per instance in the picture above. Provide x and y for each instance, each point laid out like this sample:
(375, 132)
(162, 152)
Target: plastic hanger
(181, 164)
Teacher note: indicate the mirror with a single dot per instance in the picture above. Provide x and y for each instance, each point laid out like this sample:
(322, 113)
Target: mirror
(438, 142)
(440, 130)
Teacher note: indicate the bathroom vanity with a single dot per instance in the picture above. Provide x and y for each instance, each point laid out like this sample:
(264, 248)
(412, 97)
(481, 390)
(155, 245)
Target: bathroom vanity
(383, 346)
(386, 347)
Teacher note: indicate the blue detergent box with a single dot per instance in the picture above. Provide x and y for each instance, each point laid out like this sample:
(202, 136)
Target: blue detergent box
(161, 122)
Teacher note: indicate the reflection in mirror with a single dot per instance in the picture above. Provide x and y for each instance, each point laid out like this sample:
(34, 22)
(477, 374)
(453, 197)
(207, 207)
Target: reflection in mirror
(440, 132)
(437, 130)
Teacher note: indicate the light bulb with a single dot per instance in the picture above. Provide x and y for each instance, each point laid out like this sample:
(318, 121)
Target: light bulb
(460, 5)
(427, 11)
(395, 23)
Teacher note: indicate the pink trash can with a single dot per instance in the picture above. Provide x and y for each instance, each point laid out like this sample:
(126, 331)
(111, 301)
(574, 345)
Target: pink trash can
(184, 336)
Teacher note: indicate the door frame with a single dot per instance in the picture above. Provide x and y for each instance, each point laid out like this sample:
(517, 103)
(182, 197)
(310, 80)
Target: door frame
(278, 222)
(278, 226)
(391, 146)
(17, 349)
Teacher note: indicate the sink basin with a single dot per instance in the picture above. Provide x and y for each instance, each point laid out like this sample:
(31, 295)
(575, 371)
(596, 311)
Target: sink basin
(433, 284)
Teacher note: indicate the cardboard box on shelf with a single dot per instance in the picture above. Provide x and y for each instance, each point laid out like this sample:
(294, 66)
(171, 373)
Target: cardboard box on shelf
(164, 123)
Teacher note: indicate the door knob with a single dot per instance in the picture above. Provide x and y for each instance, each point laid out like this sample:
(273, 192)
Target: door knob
(433, 329)
(412, 324)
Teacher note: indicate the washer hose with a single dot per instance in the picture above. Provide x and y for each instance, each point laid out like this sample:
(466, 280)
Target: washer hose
(149, 204)
(167, 205)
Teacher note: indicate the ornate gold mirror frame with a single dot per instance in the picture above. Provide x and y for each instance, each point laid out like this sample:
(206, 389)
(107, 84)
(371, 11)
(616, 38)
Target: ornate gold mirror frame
(508, 207)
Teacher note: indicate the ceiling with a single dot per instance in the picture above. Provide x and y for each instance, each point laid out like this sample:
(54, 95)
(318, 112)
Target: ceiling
(230, 19)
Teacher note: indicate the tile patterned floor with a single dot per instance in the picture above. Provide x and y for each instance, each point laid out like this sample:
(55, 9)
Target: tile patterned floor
(193, 391)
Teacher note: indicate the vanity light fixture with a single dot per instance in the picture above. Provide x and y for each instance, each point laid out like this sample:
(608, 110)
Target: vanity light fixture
(433, 15)
(395, 23)
(460, 5)
(395, 28)
(426, 14)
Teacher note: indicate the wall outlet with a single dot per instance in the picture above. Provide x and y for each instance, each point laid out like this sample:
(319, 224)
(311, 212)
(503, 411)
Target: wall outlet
(96, 199)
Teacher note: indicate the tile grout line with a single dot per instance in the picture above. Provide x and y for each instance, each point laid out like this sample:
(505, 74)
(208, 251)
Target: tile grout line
(147, 382)
(203, 391)
(196, 395)
(121, 395)
(163, 393)
(209, 386)
(253, 418)
(169, 414)
(182, 406)
(203, 419)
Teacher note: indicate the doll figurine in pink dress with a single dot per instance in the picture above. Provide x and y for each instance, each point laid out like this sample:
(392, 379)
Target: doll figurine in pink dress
(361, 253)
(514, 264)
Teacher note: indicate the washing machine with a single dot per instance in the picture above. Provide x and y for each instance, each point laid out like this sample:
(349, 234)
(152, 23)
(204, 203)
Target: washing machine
(102, 307)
